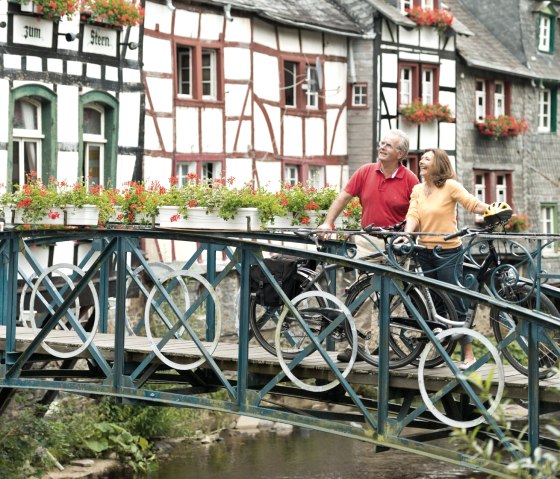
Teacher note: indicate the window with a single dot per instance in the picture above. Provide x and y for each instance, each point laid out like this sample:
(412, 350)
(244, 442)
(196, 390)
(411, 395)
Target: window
(544, 110)
(411, 162)
(317, 176)
(425, 4)
(300, 87)
(211, 170)
(358, 94)
(198, 73)
(291, 174)
(549, 224)
(546, 34)
(491, 186)
(480, 96)
(94, 144)
(27, 138)
(418, 81)
(98, 142)
(499, 99)
(428, 4)
(183, 170)
(406, 4)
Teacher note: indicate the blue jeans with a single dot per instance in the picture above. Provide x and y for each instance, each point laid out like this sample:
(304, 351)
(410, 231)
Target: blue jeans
(447, 266)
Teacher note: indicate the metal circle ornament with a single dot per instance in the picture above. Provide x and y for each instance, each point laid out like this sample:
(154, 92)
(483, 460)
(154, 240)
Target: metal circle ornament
(61, 324)
(354, 340)
(217, 319)
(499, 369)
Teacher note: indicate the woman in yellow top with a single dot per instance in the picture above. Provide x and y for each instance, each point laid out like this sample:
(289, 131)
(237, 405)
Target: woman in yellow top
(432, 209)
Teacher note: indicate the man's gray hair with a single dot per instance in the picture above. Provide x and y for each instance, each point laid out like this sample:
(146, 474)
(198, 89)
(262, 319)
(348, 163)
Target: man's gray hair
(404, 142)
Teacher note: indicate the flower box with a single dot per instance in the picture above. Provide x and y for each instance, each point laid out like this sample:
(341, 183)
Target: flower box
(246, 219)
(50, 9)
(501, 126)
(424, 17)
(418, 112)
(55, 216)
(86, 215)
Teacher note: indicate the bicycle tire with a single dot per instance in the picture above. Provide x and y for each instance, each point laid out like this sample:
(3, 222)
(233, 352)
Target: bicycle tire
(263, 319)
(406, 339)
(446, 308)
(504, 324)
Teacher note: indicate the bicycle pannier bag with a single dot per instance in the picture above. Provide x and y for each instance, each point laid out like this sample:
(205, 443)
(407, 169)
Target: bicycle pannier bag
(284, 270)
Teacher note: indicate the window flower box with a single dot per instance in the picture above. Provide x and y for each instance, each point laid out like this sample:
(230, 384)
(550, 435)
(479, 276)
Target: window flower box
(501, 126)
(438, 19)
(50, 9)
(118, 13)
(418, 112)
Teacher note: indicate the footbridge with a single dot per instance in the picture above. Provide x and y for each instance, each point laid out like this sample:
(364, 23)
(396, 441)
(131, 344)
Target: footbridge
(110, 322)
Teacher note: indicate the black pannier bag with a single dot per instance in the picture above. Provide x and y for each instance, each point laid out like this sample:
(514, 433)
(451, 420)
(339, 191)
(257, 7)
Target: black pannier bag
(284, 270)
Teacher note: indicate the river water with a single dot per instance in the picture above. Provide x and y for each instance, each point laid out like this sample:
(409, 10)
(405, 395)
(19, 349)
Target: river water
(300, 455)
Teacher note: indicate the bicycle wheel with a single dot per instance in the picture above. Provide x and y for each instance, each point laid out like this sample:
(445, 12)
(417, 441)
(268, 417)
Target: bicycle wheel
(444, 307)
(263, 319)
(406, 339)
(504, 324)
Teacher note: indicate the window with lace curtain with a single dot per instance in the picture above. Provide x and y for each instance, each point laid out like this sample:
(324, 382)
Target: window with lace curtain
(27, 137)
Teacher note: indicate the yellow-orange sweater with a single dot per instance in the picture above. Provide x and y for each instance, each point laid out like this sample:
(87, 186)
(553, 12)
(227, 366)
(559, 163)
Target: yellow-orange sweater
(436, 213)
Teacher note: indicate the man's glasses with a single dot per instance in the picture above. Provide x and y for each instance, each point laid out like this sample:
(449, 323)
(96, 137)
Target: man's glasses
(386, 145)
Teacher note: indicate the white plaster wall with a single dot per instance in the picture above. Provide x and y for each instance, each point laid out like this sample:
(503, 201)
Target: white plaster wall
(157, 169)
(129, 118)
(447, 135)
(449, 44)
(388, 31)
(235, 96)
(151, 140)
(335, 45)
(428, 135)
(429, 37)
(239, 30)
(447, 98)
(240, 169)
(125, 168)
(288, 40)
(266, 83)
(410, 129)
(408, 37)
(389, 72)
(264, 34)
(314, 137)
(158, 17)
(409, 56)
(311, 42)
(240, 131)
(428, 58)
(68, 108)
(274, 115)
(447, 73)
(334, 82)
(340, 143)
(4, 100)
(186, 23)
(212, 120)
(391, 101)
(157, 55)
(3, 170)
(263, 140)
(293, 141)
(237, 64)
(187, 130)
(161, 93)
(336, 175)
(166, 130)
(211, 26)
(67, 166)
(270, 174)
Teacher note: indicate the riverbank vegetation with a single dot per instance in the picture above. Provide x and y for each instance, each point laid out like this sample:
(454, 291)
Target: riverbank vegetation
(34, 438)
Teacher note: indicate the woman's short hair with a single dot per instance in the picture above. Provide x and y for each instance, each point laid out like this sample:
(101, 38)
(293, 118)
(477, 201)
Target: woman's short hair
(442, 169)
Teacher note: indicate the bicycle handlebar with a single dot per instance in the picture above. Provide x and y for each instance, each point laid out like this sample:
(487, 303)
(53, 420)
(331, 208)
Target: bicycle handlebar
(469, 231)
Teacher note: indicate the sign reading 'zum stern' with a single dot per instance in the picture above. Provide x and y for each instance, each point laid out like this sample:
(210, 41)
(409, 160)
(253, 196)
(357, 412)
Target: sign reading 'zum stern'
(33, 31)
(101, 41)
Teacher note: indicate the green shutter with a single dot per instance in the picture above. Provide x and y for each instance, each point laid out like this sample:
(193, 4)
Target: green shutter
(553, 108)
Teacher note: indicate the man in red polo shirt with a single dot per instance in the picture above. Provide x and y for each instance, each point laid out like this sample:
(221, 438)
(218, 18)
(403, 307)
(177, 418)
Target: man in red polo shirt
(384, 190)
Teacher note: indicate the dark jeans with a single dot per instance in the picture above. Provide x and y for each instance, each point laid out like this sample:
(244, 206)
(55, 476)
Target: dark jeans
(447, 266)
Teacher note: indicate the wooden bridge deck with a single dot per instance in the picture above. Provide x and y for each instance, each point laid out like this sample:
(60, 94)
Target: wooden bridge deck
(262, 362)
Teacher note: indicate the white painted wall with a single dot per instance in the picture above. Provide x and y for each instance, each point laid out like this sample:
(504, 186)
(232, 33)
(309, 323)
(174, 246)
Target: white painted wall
(237, 64)
(266, 81)
(288, 40)
(314, 136)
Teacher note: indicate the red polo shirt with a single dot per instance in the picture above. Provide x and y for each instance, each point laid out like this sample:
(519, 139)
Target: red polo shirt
(384, 200)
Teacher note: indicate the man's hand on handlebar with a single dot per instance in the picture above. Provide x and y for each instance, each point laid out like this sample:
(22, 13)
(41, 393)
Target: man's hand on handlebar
(329, 231)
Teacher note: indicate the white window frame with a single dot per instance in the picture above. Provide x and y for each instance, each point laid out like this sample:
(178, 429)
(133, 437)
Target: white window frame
(480, 191)
(292, 68)
(427, 4)
(183, 52)
(405, 92)
(312, 87)
(359, 94)
(548, 225)
(406, 4)
(480, 100)
(182, 171)
(427, 86)
(24, 136)
(501, 188)
(291, 174)
(544, 33)
(90, 141)
(499, 98)
(316, 176)
(211, 68)
(211, 170)
(545, 110)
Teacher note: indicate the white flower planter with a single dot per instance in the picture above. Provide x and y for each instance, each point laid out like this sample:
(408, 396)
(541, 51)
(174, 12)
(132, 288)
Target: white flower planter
(169, 217)
(246, 219)
(58, 219)
(86, 215)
